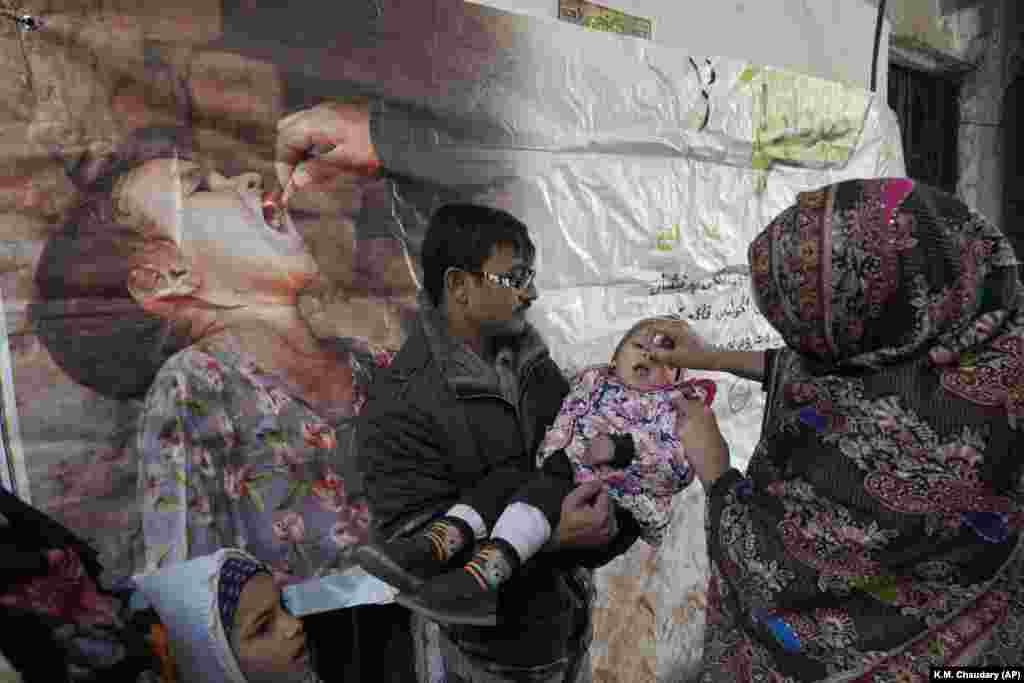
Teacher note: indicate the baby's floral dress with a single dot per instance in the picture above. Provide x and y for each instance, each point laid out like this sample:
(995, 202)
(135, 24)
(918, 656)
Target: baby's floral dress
(600, 404)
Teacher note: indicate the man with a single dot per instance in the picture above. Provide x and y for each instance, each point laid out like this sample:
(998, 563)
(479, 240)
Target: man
(471, 394)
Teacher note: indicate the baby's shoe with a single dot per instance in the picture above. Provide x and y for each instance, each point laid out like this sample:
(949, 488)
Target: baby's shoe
(468, 595)
(406, 563)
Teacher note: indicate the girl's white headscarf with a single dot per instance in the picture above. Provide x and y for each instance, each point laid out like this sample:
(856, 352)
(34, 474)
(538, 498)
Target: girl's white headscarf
(185, 597)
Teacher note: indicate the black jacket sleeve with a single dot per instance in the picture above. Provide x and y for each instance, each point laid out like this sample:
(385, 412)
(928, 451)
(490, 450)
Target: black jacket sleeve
(414, 143)
(404, 476)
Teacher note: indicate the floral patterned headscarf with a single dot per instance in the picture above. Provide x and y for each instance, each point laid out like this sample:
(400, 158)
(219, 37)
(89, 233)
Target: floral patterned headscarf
(906, 313)
(872, 273)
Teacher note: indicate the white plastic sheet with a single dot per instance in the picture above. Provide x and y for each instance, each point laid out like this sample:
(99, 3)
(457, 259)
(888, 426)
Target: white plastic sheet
(643, 172)
(636, 212)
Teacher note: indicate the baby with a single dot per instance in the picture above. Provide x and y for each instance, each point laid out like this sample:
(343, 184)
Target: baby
(617, 424)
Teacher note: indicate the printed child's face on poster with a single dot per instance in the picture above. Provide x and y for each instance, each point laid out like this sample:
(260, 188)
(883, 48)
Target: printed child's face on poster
(233, 244)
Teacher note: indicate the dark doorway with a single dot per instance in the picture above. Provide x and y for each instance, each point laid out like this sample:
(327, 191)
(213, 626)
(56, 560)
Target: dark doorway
(928, 108)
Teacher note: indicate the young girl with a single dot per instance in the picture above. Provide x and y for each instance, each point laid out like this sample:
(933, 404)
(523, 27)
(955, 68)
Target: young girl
(618, 424)
(226, 622)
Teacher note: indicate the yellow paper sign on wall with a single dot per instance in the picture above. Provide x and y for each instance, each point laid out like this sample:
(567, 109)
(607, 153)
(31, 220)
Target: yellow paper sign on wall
(668, 239)
(601, 18)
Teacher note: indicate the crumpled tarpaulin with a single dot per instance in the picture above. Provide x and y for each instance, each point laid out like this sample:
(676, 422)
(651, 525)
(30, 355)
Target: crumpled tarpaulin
(643, 172)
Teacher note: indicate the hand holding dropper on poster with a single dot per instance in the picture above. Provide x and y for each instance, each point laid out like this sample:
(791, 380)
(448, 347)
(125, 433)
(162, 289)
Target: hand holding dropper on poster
(275, 203)
(317, 145)
(25, 22)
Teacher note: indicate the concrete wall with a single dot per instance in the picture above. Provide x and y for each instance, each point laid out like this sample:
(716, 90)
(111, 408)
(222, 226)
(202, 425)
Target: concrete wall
(982, 127)
(950, 27)
(977, 43)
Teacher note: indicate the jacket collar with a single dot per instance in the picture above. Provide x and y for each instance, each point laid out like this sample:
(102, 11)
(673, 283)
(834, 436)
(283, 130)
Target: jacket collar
(465, 371)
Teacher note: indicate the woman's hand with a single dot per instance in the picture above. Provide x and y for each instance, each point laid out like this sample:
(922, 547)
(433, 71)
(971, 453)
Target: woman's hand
(697, 428)
(684, 353)
(675, 344)
(340, 130)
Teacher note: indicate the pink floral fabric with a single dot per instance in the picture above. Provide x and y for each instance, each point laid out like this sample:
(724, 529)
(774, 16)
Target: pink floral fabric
(66, 592)
(229, 457)
(878, 531)
(600, 404)
(94, 634)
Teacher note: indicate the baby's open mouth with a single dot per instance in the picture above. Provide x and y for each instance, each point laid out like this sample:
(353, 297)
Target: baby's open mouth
(657, 376)
(274, 211)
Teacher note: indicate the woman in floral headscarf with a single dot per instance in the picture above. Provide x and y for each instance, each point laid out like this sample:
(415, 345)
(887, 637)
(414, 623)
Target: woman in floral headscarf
(876, 533)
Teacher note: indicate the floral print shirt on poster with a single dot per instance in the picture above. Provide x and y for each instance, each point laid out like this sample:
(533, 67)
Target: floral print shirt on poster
(230, 458)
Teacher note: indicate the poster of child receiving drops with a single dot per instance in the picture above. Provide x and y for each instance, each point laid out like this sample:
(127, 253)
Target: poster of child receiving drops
(162, 270)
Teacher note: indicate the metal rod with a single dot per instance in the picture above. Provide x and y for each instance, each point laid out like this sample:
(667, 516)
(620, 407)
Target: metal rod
(878, 44)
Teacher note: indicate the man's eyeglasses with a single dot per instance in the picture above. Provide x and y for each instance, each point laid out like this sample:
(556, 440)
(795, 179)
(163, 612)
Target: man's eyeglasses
(521, 279)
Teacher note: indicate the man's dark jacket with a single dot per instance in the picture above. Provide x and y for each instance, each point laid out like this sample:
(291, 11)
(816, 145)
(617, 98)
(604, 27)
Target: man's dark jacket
(437, 422)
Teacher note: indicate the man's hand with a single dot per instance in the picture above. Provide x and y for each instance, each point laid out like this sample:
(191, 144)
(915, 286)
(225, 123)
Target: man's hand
(588, 520)
(697, 428)
(340, 131)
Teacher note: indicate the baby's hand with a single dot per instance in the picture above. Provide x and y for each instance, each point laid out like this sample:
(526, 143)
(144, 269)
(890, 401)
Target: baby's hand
(600, 452)
(615, 450)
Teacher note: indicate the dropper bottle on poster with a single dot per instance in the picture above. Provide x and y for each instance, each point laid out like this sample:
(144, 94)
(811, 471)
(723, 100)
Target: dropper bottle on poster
(25, 22)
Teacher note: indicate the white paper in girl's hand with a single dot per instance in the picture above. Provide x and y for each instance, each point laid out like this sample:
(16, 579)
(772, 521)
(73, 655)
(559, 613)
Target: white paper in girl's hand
(350, 588)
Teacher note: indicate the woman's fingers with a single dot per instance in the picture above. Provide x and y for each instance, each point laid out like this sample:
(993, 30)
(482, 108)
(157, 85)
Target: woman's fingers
(676, 353)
